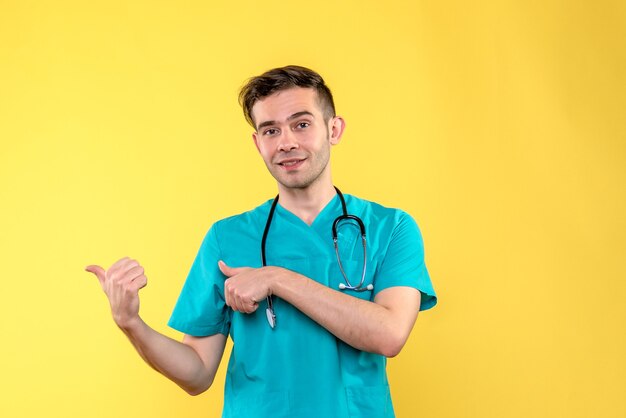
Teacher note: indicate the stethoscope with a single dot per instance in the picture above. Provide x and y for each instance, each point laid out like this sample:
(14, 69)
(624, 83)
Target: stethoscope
(269, 311)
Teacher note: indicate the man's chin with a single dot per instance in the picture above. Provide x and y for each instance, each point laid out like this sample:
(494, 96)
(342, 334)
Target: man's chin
(295, 185)
(293, 182)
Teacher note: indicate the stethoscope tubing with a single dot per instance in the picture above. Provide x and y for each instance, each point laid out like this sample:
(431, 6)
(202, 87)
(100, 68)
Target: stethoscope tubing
(271, 316)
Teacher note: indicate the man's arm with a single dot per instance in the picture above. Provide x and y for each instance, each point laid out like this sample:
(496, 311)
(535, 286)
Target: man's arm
(382, 326)
(191, 364)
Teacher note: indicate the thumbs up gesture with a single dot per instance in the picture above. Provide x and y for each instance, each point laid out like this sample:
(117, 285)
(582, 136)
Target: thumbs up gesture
(121, 283)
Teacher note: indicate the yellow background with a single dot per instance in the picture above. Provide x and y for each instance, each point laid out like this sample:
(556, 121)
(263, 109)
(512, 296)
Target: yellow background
(498, 125)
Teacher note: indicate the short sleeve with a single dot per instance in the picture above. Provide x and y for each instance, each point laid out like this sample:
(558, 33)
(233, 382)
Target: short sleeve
(403, 264)
(201, 309)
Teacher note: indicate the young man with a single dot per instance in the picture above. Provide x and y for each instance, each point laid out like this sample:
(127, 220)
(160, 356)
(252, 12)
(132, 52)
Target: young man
(314, 288)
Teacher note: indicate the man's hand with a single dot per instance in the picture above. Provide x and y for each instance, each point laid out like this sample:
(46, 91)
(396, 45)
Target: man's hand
(246, 286)
(121, 283)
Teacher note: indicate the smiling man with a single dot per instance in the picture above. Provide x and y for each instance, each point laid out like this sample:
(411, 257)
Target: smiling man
(316, 289)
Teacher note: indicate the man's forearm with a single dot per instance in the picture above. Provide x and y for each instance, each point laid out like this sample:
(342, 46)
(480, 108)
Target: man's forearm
(177, 361)
(380, 327)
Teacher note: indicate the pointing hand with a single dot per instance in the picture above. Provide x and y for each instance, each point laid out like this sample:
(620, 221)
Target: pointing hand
(121, 283)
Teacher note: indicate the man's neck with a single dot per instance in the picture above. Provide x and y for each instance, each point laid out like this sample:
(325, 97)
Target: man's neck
(306, 203)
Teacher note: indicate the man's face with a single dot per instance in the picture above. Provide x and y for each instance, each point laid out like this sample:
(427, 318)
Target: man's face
(293, 138)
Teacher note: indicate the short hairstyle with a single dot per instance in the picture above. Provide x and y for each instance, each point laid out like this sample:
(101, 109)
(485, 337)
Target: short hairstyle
(284, 78)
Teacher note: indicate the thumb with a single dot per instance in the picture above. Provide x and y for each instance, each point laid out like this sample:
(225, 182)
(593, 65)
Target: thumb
(98, 271)
(225, 269)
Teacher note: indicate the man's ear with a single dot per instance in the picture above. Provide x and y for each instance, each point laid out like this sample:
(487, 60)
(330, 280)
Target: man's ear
(336, 128)
(256, 141)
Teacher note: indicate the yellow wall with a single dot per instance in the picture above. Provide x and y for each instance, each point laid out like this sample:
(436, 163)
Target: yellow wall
(498, 125)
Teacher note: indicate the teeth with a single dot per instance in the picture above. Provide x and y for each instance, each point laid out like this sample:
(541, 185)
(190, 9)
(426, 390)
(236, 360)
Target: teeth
(290, 163)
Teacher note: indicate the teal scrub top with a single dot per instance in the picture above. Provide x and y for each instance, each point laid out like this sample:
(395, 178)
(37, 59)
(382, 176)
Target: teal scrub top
(298, 369)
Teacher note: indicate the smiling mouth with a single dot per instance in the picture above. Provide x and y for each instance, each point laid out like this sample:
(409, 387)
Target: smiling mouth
(290, 163)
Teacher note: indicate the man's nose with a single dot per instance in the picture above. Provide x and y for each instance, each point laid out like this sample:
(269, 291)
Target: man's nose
(287, 142)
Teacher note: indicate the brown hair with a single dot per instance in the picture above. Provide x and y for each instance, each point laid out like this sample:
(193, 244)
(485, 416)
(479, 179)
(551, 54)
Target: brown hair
(284, 78)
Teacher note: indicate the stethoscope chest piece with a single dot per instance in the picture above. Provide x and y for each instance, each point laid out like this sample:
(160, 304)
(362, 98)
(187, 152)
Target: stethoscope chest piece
(271, 317)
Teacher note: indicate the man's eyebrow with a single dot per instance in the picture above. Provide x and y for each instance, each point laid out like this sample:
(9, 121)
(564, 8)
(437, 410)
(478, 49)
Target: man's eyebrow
(294, 116)
(298, 114)
(266, 123)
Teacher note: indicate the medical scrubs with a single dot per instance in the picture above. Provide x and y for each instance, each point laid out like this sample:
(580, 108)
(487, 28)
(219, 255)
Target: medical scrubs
(298, 369)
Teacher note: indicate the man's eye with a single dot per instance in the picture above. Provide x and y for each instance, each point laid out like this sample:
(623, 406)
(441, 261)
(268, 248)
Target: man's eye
(303, 125)
(270, 131)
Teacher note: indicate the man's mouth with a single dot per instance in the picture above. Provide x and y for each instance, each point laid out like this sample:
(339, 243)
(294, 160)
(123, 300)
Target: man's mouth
(291, 163)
